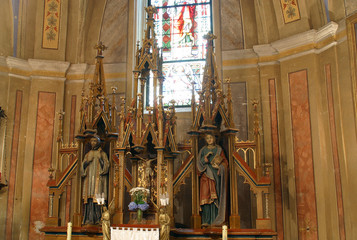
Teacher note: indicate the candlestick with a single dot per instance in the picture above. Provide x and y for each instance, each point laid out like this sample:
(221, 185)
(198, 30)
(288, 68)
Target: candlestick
(224, 232)
(69, 231)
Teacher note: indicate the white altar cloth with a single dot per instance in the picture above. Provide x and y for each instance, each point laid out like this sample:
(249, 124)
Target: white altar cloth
(131, 233)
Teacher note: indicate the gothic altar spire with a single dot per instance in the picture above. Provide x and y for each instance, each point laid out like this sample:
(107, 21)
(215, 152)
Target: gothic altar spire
(211, 97)
(96, 103)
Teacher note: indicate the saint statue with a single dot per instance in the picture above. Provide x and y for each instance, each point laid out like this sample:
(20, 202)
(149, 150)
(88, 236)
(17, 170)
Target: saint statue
(106, 223)
(164, 220)
(94, 171)
(107, 213)
(212, 166)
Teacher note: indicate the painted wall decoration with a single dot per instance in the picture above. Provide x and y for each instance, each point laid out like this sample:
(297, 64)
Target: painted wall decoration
(51, 24)
(291, 10)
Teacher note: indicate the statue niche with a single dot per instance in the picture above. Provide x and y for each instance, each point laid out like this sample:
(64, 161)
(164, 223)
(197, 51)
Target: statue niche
(94, 173)
(212, 166)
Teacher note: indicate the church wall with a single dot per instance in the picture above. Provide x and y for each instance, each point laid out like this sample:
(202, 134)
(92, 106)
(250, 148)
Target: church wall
(6, 40)
(75, 31)
(294, 27)
(321, 177)
(231, 25)
(91, 29)
(27, 81)
(13, 159)
(267, 29)
(345, 121)
(44, 138)
(42, 51)
(114, 30)
(336, 9)
(48, 84)
(15, 96)
(324, 55)
(277, 63)
(351, 7)
(27, 26)
(316, 13)
(269, 76)
(10, 85)
(328, 71)
(250, 32)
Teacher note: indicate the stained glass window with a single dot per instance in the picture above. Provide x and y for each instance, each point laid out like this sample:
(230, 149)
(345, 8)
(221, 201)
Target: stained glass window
(180, 26)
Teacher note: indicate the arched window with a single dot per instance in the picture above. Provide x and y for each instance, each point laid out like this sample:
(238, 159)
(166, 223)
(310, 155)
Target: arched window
(180, 26)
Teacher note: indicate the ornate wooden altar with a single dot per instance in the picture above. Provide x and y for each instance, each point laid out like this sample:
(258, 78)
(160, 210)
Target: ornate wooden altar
(214, 113)
(147, 141)
(141, 147)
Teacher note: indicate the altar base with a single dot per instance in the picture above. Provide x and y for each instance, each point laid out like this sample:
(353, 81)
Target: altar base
(78, 233)
(215, 233)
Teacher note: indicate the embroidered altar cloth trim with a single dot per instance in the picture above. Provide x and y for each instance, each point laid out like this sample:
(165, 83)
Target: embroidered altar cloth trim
(125, 233)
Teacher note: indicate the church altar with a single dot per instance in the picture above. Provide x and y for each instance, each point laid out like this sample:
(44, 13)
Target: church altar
(115, 158)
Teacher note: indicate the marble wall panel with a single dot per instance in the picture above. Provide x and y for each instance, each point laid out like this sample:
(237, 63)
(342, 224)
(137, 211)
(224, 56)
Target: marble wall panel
(41, 162)
(336, 161)
(231, 25)
(303, 160)
(276, 160)
(13, 164)
(114, 30)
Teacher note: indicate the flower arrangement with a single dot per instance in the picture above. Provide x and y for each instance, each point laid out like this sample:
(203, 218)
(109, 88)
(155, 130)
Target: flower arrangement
(139, 195)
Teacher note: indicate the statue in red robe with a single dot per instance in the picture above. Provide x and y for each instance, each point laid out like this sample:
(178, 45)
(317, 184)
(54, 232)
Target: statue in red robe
(212, 166)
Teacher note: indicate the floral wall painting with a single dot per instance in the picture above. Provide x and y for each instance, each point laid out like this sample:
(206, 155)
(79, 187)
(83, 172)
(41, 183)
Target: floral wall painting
(290, 9)
(51, 20)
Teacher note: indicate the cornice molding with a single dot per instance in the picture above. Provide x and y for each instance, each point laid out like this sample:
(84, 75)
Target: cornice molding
(48, 67)
(295, 41)
(329, 30)
(238, 54)
(77, 71)
(309, 42)
(18, 65)
(264, 50)
(3, 61)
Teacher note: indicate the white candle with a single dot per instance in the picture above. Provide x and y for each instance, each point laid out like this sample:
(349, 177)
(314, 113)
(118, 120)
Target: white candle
(69, 231)
(224, 232)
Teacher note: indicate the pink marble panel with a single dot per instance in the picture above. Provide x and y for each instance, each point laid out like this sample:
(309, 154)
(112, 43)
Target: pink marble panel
(336, 161)
(13, 164)
(41, 162)
(303, 161)
(276, 160)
